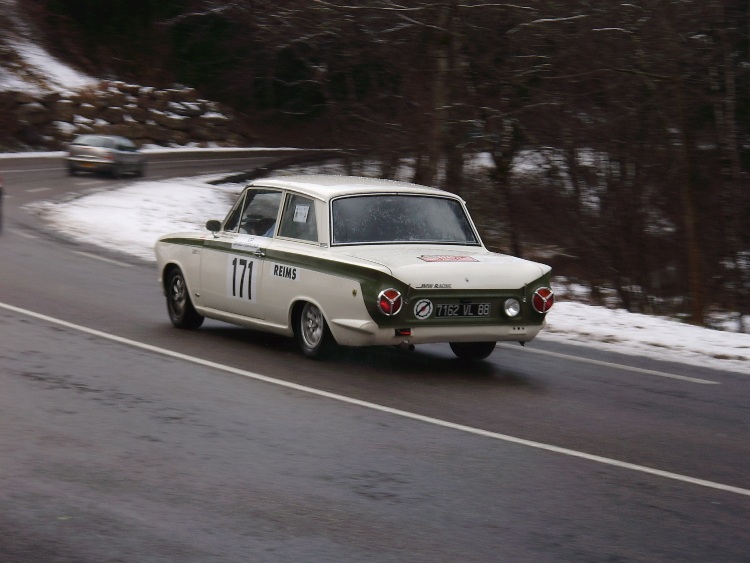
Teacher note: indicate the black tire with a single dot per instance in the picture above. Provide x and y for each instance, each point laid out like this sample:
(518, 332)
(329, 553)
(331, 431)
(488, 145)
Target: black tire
(312, 333)
(180, 307)
(116, 171)
(472, 351)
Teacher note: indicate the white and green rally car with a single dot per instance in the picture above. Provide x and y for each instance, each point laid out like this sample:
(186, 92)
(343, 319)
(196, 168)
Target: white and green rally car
(355, 262)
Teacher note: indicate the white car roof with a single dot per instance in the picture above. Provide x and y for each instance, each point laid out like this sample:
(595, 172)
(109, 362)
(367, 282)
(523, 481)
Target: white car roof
(326, 187)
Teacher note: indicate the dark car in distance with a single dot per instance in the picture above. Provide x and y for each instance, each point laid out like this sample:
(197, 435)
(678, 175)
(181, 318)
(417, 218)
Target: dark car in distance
(109, 154)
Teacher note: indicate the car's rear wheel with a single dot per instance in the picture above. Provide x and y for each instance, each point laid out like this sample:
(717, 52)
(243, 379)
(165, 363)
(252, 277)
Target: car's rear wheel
(180, 307)
(472, 350)
(312, 332)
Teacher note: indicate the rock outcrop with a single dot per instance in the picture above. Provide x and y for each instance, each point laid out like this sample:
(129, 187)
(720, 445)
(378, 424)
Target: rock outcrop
(147, 116)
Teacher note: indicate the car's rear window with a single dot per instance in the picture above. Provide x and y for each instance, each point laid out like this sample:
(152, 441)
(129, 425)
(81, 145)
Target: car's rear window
(400, 218)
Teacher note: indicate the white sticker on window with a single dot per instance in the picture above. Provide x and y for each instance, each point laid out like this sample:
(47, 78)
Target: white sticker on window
(300, 213)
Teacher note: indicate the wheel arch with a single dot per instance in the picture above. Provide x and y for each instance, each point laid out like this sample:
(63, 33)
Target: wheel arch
(167, 269)
(295, 310)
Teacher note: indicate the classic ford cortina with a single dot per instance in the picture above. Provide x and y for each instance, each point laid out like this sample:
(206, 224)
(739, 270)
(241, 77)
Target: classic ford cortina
(336, 260)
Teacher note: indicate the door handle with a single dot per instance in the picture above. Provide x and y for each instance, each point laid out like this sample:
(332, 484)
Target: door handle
(260, 253)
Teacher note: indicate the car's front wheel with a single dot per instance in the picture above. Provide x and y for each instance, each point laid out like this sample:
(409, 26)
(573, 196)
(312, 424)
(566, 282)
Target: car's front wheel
(180, 307)
(312, 332)
(472, 350)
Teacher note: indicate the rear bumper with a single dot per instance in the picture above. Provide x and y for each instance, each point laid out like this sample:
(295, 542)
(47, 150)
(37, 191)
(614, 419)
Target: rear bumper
(94, 165)
(351, 332)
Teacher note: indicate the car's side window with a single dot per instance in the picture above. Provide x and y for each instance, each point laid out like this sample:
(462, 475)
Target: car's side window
(126, 145)
(298, 219)
(234, 216)
(259, 212)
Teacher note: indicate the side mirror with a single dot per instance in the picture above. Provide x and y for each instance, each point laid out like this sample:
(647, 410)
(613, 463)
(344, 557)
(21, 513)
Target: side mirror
(213, 225)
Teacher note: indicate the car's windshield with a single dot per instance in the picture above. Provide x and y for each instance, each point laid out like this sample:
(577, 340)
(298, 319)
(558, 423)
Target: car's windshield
(91, 141)
(400, 218)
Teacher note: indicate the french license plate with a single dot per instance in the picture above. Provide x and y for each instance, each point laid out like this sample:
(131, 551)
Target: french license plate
(463, 310)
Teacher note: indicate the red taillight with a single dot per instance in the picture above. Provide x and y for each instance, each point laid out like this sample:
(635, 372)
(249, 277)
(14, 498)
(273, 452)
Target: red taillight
(390, 302)
(543, 299)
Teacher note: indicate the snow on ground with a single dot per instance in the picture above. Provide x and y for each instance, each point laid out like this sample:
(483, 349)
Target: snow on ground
(44, 70)
(660, 338)
(38, 71)
(131, 218)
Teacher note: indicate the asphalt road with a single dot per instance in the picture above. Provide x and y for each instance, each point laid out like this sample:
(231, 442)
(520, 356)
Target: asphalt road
(124, 439)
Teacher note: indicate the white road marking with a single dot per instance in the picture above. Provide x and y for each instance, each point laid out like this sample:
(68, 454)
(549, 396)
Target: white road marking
(25, 234)
(21, 170)
(36, 190)
(201, 160)
(79, 252)
(382, 408)
(616, 366)
(102, 258)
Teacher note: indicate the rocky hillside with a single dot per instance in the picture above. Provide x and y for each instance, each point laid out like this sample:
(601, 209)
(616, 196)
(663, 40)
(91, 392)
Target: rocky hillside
(148, 116)
(45, 103)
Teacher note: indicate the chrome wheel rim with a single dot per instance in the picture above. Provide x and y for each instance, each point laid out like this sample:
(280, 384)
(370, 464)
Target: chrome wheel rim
(311, 325)
(178, 295)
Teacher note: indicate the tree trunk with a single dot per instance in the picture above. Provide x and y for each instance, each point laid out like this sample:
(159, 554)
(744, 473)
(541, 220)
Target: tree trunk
(696, 288)
(503, 155)
(733, 176)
